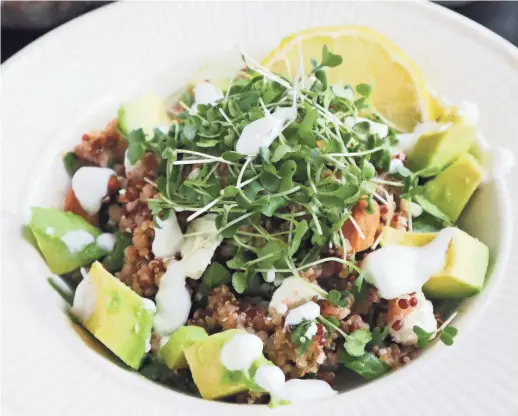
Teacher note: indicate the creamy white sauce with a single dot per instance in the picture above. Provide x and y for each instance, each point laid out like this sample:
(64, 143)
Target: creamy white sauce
(262, 132)
(307, 312)
(198, 250)
(90, 185)
(164, 340)
(311, 331)
(497, 163)
(395, 165)
(128, 166)
(411, 207)
(270, 377)
(408, 140)
(270, 276)
(106, 241)
(77, 240)
(205, 93)
(297, 390)
(398, 270)
(382, 130)
(421, 315)
(147, 347)
(85, 298)
(469, 112)
(50, 231)
(239, 352)
(292, 291)
(173, 300)
(168, 238)
(149, 305)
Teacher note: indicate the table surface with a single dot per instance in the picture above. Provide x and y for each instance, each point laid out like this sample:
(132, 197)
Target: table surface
(499, 16)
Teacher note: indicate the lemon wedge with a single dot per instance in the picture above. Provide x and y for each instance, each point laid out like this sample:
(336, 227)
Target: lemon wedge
(399, 90)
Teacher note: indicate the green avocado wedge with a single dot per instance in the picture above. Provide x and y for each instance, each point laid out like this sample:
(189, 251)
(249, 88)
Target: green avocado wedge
(434, 151)
(451, 190)
(114, 314)
(464, 270)
(172, 353)
(65, 240)
(145, 112)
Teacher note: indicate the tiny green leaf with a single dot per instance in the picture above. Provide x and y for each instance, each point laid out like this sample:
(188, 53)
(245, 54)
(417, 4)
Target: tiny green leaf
(239, 282)
(364, 89)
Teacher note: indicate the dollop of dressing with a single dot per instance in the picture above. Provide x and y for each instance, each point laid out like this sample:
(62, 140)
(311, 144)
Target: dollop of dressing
(173, 300)
(85, 298)
(270, 377)
(90, 185)
(421, 315)
(239, 352)
(205, 93)
(198, 250)
(292, 291)
(106, 241)
(77, 240)
(307, 312)
(398, 270)
(262, 132)
(168, 237)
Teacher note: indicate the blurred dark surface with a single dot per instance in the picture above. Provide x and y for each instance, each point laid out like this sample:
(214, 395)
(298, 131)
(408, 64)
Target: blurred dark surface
(499, 16)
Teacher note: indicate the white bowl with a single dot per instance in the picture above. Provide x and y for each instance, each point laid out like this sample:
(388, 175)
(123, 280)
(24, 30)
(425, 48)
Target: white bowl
(73, 80)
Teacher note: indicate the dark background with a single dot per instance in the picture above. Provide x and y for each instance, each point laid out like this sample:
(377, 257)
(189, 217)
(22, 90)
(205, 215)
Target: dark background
(499, 16)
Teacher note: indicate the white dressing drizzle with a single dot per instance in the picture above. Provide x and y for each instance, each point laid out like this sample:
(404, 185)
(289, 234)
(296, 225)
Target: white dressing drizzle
(85, 298)
(168, 237)
(106, 241)
(77, 240)
(239, 352)
(421, 315)
(296, 390)
(307, 312)
(90, 185)
(292, 291)
(205, 93)
(398, 270)
(173, 300)
(262, 132)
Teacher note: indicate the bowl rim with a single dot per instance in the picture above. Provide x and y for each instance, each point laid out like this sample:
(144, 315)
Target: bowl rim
(494, 42)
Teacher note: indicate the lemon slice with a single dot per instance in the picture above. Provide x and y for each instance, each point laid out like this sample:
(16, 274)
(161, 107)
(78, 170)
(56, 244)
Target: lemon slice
(399, 90)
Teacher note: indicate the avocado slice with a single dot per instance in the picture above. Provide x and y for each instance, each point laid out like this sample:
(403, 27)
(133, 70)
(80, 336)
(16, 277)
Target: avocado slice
(114, 314)
(145, 112)
(172, 353)
(451, 190)
(210, 376)
(465, 268)
(65, 240)
(434, 151)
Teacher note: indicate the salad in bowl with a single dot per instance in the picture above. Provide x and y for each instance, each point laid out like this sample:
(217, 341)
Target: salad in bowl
(257, 238)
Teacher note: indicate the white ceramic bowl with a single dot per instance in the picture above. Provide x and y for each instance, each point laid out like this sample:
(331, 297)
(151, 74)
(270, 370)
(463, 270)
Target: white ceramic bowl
(74, 78)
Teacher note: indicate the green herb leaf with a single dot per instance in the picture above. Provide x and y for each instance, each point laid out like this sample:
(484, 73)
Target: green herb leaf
(300, 230)
(114, 261)
(329, 59)
(379, 336)
(356, 341)
(239, 282)
(423, 337)
(368, 365)
(447, 334)
(72, 163)
(216, 275)
(364, 89)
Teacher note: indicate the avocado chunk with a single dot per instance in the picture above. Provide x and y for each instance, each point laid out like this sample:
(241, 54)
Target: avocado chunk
(65, 240)
(172, 353)
(145, 112)
(213, 380)
(434, 151)
(451, 190)
(465, 267)
(114, 314)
